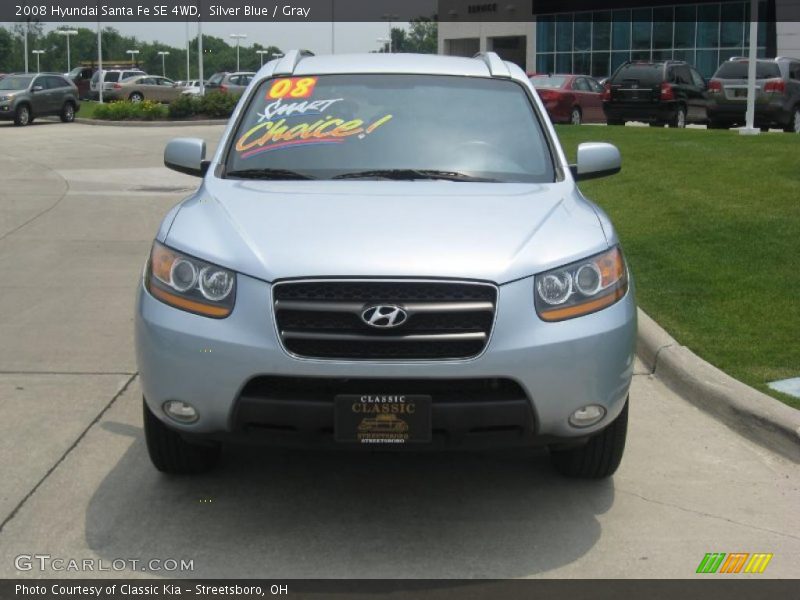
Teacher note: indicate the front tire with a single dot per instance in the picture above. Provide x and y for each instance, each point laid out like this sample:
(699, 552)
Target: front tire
(136, 97)
(23, 116)
(172, 454)
(600, 456)
(67, 113)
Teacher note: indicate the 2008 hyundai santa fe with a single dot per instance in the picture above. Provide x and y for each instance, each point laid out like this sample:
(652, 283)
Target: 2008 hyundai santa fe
(387, 251)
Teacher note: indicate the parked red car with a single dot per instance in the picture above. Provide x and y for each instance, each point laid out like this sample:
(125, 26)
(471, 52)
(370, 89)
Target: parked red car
(572, 99)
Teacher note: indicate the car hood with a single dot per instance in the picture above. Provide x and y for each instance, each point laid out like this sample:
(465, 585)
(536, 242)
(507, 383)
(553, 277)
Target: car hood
(286, 229)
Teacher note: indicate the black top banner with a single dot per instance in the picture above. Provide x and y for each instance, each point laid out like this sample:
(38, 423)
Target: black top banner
(111, 11)
(215, 10)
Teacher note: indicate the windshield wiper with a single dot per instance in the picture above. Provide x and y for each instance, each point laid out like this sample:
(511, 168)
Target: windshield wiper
(267, 174)
(411, 174)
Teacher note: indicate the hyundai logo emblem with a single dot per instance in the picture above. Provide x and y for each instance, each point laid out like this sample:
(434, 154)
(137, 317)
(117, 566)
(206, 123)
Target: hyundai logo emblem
(384, 316)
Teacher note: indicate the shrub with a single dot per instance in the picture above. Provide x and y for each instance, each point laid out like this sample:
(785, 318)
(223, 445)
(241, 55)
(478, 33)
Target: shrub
(125, 110)
(218, 104)
(184, 106)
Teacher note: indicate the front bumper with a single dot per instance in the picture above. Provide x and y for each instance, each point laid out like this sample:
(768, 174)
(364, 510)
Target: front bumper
(7, 110)
(644, 112)
(559, 367)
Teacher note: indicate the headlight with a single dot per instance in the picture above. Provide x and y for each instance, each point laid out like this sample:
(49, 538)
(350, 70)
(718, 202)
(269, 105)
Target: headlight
(582, 287)
(189, 283)
(6, 98)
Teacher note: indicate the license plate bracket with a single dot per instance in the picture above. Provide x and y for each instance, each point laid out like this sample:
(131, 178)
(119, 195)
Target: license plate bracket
(382, 419)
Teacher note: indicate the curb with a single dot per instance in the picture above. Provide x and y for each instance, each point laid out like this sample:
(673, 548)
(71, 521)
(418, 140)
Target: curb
(100, 123)
(749, 412)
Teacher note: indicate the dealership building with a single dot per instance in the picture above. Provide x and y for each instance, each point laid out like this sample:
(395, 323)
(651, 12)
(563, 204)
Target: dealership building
(594, 37)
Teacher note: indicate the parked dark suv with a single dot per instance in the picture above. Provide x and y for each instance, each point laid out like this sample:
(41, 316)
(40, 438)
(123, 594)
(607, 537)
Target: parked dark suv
(25, 96)
(777, 94)
(670, 92)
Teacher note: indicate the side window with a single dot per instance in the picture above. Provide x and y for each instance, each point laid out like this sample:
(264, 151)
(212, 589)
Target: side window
(582, 85)
(596, 87)
(112, 76)
(147, 81)
(39, 82)
(54, 83)
(794, 71)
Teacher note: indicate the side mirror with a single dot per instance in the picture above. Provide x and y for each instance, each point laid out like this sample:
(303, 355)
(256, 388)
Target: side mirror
(38, 88)
(186, 155)
(596, 159)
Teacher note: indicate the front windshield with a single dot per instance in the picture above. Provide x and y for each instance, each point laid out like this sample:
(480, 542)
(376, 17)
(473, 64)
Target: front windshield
(345, 125)
(15, 82)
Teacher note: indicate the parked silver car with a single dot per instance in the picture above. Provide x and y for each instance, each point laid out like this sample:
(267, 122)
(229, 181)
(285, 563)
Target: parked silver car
(26, 96)
(387, 251)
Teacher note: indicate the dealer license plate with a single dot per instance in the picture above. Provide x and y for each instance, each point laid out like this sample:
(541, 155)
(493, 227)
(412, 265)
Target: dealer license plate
(378, 419)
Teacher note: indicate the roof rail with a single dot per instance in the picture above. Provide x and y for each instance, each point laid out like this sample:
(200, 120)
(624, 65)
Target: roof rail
(289, 62)
(497, 68)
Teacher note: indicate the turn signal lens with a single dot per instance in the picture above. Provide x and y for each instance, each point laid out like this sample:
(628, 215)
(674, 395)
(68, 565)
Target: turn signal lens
(582, 287)
(190, 284)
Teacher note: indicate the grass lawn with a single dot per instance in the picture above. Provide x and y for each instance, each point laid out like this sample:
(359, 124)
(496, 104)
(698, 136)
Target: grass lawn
(87, 109)
(710, 223)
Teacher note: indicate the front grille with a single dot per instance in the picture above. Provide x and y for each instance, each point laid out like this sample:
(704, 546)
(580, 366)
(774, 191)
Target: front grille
(323, 319)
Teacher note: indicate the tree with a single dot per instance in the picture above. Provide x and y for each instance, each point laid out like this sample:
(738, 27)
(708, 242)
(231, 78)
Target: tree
(6, 50)
(422, 37)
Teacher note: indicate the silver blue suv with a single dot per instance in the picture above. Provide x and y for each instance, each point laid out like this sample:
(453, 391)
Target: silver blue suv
(387, 251)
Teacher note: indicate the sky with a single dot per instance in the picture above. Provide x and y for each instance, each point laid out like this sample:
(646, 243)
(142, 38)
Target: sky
(349, 37)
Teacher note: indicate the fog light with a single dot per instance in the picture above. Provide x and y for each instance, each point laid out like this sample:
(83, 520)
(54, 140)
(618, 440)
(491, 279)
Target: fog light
(586, 416)
(180, 411)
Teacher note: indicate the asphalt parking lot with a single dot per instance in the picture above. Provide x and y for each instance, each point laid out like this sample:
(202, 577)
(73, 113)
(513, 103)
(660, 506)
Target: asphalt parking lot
(79, 206)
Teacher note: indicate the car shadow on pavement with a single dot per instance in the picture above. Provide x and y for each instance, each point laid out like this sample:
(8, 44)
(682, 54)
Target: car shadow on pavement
(301, 514)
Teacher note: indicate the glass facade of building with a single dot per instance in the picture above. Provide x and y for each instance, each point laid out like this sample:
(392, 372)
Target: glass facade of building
(597, 42)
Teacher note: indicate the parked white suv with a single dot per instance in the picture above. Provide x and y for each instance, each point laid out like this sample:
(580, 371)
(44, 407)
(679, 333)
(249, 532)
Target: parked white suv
(110, 77)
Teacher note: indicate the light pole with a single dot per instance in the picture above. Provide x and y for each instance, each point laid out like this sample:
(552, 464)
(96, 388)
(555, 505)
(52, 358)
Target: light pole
(749, 128)
(238, 37)
(163, 56)
(67, 33)
(383, 42)
(37, 53)
(188, 66)
(261, 53)
(132, 53)
(27, 28)
(100, 73)
(390, 18)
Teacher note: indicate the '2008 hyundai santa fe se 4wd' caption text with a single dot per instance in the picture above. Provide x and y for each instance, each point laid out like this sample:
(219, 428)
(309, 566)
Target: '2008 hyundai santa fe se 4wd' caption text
(387, 251)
